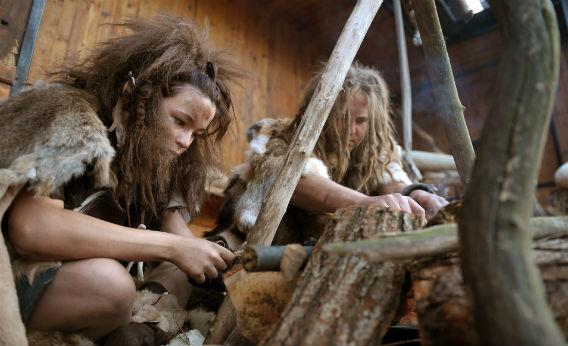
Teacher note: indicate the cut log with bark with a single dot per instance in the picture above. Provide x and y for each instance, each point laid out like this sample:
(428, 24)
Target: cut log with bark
(259, 299)
(446, 313)
(344, 299)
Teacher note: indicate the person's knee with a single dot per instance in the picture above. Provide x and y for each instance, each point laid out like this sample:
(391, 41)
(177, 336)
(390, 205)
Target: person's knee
(117, 290)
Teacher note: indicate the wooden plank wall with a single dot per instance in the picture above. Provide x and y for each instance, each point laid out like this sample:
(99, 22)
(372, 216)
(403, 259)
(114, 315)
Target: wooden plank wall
(273, 54)
(13, 19)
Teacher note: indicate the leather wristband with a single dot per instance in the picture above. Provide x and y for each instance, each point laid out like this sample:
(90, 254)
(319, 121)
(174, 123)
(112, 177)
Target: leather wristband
(412, 187)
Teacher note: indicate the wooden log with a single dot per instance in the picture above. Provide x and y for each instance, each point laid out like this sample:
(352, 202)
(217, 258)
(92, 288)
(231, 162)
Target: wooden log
(444, 86)
(259, 299)
(509, 301)
(311, 125)
(345, 299)
(446, 313)
(434, 241)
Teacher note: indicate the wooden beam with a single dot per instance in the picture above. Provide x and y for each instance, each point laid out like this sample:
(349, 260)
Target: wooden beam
(312, 122)
(435, 241)
(444, 86)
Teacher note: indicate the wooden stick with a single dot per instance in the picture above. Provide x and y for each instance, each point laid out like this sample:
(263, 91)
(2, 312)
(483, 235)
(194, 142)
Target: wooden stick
(434, 241)
(405, 87)
(268, 258)
(444, 86)
(312, 122)
(509, 302)
(294, 259)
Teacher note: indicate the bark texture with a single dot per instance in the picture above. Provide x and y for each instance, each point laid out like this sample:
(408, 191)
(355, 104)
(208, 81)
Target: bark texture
(509, 300)
(344, 299)
(445, 311)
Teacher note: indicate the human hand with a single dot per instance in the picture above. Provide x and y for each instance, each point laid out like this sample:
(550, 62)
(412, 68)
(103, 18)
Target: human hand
(398, 202)
(200, 258)
(430, 202)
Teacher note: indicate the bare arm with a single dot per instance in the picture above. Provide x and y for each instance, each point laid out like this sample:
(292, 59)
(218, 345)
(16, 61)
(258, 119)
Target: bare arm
(40, 228)
(173, 222)
(318, 194)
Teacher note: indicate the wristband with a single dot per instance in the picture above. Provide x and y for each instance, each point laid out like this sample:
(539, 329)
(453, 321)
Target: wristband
(412, 187)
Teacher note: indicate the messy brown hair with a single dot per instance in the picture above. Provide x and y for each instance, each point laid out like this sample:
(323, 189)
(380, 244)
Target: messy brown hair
(361, 168)
(160, 55)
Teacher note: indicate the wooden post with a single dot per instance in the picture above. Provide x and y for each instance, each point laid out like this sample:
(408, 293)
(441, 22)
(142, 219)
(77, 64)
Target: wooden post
(312, 122)
(444, 86)
(344, 299)
(508, 295)
(405, 87)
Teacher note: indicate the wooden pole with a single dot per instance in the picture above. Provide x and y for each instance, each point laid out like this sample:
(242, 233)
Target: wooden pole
(444, 86)
(508, 295)
(435, 241)
(312, 122)
(405, 87)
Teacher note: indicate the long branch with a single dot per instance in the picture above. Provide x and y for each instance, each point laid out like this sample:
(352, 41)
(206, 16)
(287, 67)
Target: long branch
(444, 86)
(436, 240)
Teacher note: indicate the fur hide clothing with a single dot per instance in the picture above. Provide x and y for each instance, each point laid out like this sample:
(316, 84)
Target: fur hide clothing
(250, 182)
(48, 135)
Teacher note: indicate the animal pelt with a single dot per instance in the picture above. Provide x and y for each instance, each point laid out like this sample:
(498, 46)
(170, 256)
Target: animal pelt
(251, 181)
(48, 135)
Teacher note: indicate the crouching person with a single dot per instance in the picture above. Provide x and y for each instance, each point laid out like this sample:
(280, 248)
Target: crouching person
(123, 139)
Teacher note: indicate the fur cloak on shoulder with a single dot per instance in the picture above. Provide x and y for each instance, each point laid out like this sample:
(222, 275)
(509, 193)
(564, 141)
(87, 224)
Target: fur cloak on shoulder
(48, 135)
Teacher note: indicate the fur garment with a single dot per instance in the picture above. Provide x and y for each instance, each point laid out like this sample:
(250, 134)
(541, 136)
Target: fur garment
(251, 181)
(49, 134)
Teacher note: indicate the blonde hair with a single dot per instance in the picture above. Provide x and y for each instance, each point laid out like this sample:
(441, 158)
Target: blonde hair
(361, 168)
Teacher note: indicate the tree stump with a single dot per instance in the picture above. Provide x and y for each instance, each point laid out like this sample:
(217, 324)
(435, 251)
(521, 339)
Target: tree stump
(445, 311)
(344, 299)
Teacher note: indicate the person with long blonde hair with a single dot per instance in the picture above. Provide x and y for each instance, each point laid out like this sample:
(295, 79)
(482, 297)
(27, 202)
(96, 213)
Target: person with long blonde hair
(358, 147)
(356, 160)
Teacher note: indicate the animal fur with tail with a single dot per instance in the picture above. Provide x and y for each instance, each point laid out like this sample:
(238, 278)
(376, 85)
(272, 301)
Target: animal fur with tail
(251, 181)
